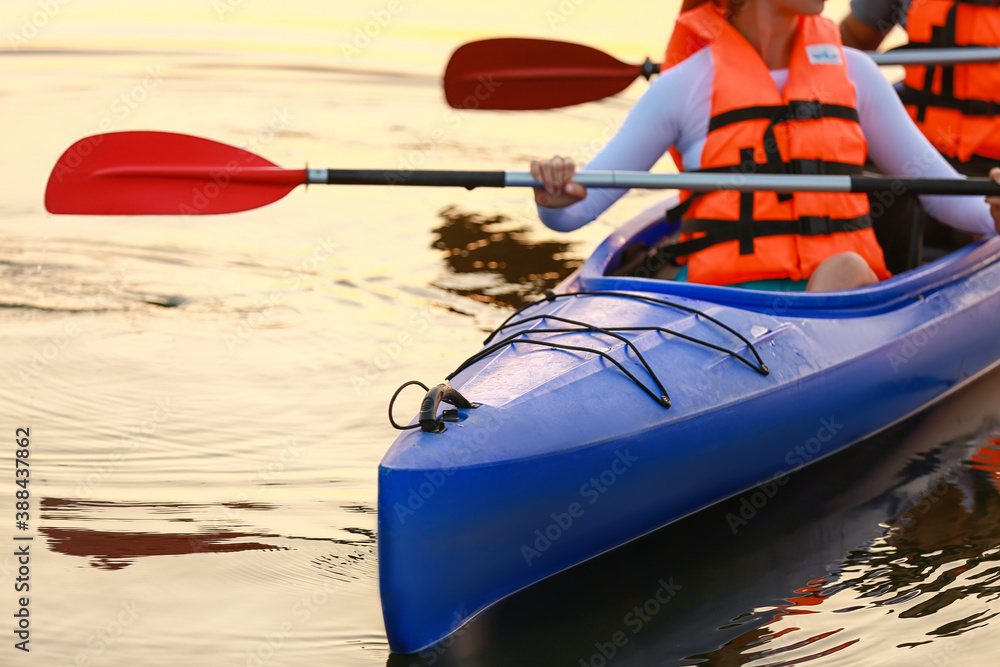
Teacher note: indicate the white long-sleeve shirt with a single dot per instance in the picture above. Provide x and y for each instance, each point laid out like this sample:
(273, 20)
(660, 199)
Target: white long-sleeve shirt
(675, 111)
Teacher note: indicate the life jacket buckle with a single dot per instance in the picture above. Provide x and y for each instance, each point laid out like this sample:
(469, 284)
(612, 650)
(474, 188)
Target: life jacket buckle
(814, 225)
(981, 108)
(808, 167)
(805, 109)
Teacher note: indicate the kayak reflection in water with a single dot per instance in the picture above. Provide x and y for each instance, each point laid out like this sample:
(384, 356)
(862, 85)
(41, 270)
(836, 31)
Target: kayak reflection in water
(494, 260)
(784, 97)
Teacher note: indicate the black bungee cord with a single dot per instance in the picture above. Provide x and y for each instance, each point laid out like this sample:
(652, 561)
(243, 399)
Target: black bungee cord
(430, 424)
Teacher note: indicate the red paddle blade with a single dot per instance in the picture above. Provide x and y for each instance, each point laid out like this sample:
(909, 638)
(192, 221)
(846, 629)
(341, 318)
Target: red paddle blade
(527, 74)
(162, 173)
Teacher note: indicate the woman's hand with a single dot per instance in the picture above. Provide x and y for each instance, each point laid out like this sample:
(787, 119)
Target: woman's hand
(560, 191)
(994, 200)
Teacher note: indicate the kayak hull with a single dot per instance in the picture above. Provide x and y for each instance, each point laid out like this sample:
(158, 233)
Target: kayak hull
(567, 457)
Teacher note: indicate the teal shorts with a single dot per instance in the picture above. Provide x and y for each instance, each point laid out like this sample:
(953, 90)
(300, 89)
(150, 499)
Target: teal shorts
(772, 285)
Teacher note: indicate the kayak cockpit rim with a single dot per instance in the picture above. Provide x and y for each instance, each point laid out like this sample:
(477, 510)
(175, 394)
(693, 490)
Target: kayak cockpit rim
(896, 292)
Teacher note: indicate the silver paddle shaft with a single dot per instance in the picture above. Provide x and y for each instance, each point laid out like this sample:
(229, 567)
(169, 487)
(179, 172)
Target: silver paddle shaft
(950, 56)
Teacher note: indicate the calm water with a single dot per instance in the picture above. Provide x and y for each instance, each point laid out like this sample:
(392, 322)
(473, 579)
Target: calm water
(207, 396)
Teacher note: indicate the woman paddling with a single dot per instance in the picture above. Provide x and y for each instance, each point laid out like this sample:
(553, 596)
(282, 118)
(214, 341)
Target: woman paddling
(772, 92)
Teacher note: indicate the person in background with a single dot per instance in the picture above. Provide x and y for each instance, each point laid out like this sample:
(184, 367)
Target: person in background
(956, 107)
(770, 91)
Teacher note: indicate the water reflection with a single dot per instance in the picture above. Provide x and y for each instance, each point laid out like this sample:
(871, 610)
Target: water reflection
(988, 460)
(64, 508)
(889, 548)
(942, 550)
(493, 260)
(113, 550)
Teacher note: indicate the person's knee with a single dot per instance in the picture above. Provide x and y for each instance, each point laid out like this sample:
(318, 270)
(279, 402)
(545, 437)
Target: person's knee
(851, 263)
(844, 270)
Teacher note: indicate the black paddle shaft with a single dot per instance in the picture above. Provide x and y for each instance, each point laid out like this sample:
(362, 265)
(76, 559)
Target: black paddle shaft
(463, 179)
(925, 186)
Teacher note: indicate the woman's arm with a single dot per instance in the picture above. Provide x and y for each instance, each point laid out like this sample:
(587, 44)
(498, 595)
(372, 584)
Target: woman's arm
(653, 125)
(870, 21)
(859, 35)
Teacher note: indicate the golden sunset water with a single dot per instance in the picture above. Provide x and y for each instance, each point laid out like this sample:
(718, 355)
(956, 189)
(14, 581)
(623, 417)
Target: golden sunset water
(206, 396)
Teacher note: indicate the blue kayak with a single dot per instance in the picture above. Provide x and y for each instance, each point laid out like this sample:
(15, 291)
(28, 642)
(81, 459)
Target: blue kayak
(619, 405)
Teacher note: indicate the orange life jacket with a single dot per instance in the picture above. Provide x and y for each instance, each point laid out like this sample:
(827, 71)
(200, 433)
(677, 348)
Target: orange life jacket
(956, 107)
(810, 129)
(694, 30)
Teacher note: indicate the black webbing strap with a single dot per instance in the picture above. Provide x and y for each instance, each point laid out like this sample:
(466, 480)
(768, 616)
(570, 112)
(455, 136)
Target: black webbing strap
(807, 225)
(783, 113)
(677, 212)
(773, 156)
(720, 231)
(923, 99)
(745, 225)
(794, 166)
(979, 3)
(942, 36)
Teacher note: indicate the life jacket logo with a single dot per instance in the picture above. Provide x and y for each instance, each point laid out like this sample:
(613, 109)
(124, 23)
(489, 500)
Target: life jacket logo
(823, 54)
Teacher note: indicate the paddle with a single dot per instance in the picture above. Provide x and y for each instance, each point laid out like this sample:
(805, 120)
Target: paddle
(519, 74)
(161, 173)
